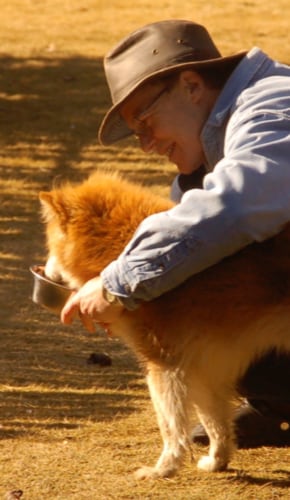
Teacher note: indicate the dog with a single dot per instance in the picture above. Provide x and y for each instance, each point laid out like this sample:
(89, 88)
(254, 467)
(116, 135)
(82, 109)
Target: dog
(196, 341)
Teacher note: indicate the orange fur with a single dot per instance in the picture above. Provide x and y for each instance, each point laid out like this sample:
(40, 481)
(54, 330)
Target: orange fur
(195, 341)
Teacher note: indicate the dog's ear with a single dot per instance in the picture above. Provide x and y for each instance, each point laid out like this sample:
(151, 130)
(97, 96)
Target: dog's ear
(53, 207)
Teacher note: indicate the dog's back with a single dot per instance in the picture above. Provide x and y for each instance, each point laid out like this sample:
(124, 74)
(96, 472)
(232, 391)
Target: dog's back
(224, 318)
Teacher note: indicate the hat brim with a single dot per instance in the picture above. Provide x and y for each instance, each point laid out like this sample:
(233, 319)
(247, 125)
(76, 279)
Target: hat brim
(114, 128)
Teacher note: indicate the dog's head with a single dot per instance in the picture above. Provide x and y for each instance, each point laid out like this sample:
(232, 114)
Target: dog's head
(89, 224)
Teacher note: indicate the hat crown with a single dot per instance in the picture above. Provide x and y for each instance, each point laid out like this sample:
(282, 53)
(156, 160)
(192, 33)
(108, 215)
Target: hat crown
(152, 49)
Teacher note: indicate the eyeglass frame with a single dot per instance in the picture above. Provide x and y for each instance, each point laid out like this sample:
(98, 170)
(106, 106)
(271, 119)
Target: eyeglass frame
(147, 112)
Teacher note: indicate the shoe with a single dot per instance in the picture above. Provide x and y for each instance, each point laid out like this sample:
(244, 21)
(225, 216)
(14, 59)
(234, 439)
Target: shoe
(253, 429)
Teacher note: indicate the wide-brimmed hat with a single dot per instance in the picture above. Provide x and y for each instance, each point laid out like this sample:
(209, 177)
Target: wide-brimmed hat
(152, 51)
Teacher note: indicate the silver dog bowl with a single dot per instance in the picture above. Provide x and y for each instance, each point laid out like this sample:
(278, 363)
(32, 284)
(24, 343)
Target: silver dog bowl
(48, 293)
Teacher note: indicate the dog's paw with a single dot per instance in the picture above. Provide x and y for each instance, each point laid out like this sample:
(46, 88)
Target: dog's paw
(210, 464)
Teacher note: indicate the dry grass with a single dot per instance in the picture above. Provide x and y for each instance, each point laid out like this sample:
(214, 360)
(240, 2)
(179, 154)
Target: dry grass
(69, 429)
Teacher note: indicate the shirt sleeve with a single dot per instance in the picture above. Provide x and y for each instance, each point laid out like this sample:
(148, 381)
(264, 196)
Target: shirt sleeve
(245, 199)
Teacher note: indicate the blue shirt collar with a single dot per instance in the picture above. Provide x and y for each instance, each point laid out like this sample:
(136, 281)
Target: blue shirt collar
(251, 68)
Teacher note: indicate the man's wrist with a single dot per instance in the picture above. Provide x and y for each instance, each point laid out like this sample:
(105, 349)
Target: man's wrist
(111, 298)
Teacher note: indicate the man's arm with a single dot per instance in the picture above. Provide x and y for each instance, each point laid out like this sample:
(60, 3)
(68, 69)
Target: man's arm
(246, 198)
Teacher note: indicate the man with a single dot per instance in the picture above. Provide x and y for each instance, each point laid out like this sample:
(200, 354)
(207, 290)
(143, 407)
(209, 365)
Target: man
(225, 123)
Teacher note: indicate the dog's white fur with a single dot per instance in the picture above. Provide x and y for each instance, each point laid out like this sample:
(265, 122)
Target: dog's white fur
(195, 341)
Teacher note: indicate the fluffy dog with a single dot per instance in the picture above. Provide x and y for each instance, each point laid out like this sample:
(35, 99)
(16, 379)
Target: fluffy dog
(195, 341)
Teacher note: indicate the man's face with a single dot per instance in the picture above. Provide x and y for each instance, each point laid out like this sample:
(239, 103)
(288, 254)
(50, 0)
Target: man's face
(169, 121)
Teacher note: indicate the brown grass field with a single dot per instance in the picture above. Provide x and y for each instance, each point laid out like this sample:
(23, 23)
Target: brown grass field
(70, 429)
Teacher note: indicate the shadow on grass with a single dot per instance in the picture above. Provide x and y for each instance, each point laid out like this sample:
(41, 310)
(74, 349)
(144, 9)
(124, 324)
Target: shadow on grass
(50, 110)
(249, 479)
(53, 101)
(46, 376)
(26, 411)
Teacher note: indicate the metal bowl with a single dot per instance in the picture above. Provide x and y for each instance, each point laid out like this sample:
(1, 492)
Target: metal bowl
(48, 293)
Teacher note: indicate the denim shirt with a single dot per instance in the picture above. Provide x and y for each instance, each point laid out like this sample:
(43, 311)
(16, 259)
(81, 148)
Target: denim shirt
(245, 195)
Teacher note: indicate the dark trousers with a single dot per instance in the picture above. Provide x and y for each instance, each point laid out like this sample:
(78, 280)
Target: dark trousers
(266, 385)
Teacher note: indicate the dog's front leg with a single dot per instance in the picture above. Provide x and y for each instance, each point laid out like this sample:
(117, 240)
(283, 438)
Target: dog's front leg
(169, 396)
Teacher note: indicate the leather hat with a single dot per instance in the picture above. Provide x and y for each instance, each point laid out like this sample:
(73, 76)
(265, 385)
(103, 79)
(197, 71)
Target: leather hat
(149, 52)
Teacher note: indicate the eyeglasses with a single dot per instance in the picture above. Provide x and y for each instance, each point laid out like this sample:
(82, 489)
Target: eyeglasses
(141, 128)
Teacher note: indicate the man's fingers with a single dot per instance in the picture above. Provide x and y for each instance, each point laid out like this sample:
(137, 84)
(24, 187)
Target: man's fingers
(88, 322)
(70, 310)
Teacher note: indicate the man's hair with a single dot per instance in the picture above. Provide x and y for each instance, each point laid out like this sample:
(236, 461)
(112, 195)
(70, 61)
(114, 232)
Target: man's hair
(217, 76)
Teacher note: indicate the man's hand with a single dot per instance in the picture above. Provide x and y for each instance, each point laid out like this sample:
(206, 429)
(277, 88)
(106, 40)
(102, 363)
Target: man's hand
(89, 304)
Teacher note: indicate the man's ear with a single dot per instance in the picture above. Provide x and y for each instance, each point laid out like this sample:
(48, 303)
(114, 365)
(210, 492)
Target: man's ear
(193, 83)
(53, 207)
